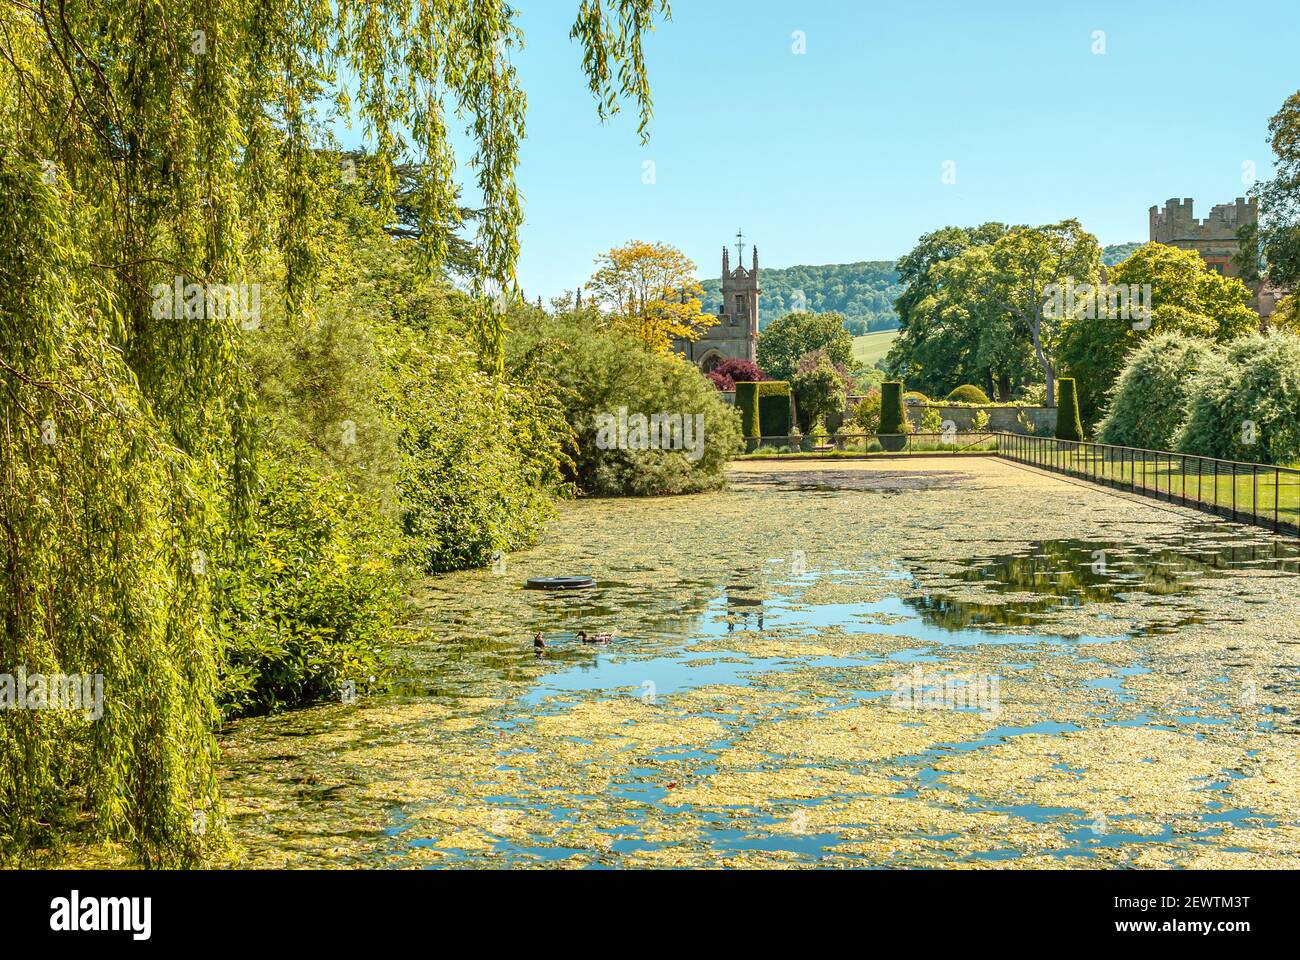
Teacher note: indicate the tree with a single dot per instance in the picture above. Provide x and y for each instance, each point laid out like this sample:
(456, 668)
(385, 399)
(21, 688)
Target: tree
(144, 141)
(1017, 273)
(950, 335)
(1279, 200)
(818, 388)
(1186, 298)
(789, 339)
(650, 290)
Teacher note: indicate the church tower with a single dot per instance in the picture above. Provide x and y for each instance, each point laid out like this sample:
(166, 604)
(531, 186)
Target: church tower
(735, 335)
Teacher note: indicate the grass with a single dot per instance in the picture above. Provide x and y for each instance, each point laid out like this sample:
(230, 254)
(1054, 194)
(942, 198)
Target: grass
(1261, 494)
(870, 347)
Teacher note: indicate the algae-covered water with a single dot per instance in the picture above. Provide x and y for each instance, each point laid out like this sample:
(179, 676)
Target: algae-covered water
(956, 663)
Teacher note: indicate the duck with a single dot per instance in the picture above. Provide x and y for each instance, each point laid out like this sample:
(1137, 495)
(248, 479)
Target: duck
(539, 642)
(601, 638)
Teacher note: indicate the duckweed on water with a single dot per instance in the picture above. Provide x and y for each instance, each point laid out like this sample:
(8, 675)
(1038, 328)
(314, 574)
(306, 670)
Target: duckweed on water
(745, 715)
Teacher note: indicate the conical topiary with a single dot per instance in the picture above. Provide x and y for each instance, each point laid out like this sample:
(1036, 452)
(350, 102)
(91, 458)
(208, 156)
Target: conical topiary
(1068, 425)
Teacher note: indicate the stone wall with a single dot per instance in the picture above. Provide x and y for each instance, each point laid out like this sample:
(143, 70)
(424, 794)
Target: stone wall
(1002, 419)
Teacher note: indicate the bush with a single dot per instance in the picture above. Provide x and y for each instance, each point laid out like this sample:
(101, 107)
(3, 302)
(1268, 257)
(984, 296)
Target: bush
(605, 373)
(916, 396)
(866, 418)
(734, 370)
(968, 393)
(980, 421)
(764, 408)
(1068, 426)
(1246, 406)
(1151, 396)
(314, 598)
(892, 419)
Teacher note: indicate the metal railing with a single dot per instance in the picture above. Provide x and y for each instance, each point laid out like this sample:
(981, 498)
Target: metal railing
(1254, 493)
(849, 443)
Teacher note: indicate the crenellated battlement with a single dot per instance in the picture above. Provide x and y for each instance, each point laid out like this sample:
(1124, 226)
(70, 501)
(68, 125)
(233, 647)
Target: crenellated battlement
(1177, 221)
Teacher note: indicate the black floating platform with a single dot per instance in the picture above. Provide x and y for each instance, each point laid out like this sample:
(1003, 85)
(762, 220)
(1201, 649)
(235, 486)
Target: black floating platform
(560, 583)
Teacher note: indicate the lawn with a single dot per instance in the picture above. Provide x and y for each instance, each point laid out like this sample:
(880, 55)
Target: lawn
(1243, 491)
(871, 347)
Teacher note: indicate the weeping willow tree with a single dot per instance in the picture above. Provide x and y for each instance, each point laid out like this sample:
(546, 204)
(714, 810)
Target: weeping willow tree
(154, 147)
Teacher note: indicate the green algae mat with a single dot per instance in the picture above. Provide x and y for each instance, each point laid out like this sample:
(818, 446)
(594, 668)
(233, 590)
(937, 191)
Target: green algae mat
(956, 663)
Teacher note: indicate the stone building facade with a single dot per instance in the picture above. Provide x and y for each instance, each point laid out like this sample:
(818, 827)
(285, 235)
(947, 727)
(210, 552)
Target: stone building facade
(1214, 238)
(736, 332)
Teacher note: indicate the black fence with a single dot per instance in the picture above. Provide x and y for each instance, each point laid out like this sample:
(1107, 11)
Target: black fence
(1253, 493)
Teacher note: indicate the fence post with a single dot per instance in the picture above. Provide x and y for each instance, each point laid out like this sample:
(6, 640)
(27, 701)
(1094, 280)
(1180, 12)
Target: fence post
(1234, 489)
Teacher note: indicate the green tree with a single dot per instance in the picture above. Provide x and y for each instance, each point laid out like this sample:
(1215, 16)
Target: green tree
(1185, 298)
(149, 140)
(818, 389)
(1279, 200)
(795, 335)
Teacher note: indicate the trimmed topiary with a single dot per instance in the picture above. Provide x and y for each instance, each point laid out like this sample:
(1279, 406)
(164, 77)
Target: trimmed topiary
(764, 409)
(968, 393)
(747, 404)
(892, 419)
(1068, 425)
(774, 408)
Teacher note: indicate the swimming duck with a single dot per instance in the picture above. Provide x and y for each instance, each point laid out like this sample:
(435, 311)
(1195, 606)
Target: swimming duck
(601, 638)
(539, 642)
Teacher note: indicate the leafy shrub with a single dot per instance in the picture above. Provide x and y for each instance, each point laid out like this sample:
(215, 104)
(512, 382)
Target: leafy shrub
(931, 421)
(980, 421)
(892, 419)
(1246, 405)
(605, 371)
(314, 597)
(968, 393)
(1068, 426)
(866, 418)
(915, 396)
(1150, 400)
(734, 370)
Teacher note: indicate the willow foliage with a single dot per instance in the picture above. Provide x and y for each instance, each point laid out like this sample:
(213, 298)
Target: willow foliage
(147, 145)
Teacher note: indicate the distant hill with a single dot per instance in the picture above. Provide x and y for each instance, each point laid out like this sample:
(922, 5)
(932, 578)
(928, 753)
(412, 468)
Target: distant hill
(1118, 252)
(864, 292)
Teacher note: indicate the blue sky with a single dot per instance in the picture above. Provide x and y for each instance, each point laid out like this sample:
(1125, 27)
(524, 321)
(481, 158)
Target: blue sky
(837, 154)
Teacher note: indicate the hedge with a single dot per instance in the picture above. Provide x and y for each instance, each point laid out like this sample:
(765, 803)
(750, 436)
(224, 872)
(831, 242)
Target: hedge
(891, 408)
(764, 408)
(1068, 424)
(747, 404)
(774, 408)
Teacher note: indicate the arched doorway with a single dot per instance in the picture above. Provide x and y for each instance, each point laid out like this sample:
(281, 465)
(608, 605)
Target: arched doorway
(710, 362)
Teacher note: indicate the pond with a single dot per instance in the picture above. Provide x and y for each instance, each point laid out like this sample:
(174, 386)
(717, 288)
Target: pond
(956, 663)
